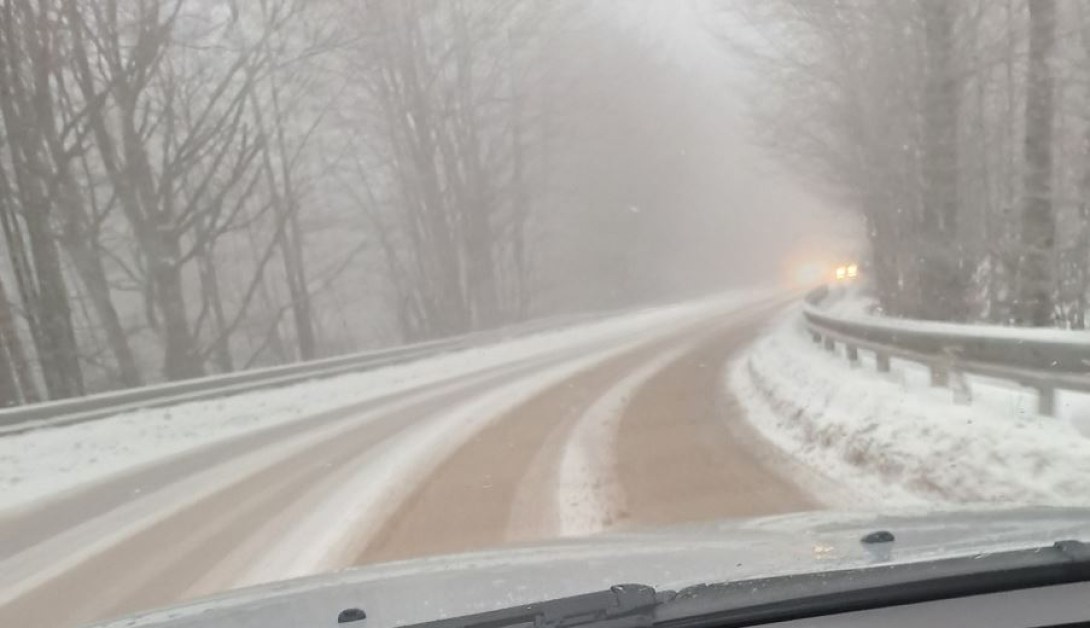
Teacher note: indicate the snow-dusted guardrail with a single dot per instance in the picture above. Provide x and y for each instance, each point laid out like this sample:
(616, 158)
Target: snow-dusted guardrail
(1046, 360)
(89, 408)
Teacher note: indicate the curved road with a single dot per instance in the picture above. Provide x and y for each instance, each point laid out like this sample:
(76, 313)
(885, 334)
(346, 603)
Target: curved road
(613, 435)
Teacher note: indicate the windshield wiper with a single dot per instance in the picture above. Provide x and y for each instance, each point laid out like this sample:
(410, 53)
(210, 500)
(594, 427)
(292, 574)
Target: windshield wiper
(783, 598)
(792, 597)
(622, 606)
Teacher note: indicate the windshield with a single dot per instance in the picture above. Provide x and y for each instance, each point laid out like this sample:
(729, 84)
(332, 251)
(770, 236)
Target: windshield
(690, 290)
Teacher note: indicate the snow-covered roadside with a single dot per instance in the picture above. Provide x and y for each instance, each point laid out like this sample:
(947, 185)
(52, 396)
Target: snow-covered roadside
(899, 443)
(45, 462)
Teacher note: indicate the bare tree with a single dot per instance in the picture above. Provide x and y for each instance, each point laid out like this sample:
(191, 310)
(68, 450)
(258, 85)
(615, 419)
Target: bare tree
(942, 293)
(189, 108)
(454, 135)
(917, 114)
(11, 359)
(30, 192)
(1036, 286)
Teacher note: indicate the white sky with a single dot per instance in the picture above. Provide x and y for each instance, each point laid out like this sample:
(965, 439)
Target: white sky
(684, 29)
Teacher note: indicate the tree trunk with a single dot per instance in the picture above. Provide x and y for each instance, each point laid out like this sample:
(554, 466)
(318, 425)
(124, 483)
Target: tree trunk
(10, 395)
(942, 285)
(292, 254)
(181, 360)
(292, 247)
(1082, 243)
(289, 238)
(55, 314)
(212, 299)
(42, 282)
(88, 265)
(1038, 229)
(81, 243)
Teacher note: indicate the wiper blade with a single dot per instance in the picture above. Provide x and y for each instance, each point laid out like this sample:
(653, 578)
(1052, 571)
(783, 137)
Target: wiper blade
(793, 597)
(799, 596)
(622, 606)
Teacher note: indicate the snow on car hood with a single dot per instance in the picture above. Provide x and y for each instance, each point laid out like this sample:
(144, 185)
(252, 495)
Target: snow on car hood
(420, 590)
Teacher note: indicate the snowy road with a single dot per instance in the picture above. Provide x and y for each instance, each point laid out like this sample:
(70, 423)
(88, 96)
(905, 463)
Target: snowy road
(610, 432)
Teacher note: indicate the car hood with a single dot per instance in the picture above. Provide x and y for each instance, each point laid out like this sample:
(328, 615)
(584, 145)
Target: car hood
(432, 588)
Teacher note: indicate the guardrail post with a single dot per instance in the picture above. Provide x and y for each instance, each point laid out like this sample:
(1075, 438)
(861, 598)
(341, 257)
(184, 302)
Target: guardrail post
(882, 362)
(1046, 401)
(959, 384)
(853, 354)
(952, 357)
(940, 374)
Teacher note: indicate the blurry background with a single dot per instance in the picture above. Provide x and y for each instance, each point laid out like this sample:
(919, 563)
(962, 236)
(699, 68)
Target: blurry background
(190, 187)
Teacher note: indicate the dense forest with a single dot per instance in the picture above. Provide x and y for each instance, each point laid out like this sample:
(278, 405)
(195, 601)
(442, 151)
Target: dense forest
(192, 187)
(959, 130)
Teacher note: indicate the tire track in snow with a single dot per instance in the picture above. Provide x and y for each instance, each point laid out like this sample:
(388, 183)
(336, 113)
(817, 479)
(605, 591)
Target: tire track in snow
(487, 491)
(502, 485)
(332, 509)
(358, 512)
(589, 497)
(681, 457)
(219, 496)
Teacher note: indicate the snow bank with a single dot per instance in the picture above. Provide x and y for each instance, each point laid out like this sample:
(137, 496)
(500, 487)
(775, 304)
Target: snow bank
(44, 462)
(902, 443)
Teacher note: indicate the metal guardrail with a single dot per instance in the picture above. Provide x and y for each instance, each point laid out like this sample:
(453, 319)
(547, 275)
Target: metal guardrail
(82, 409)
(1044, 360)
